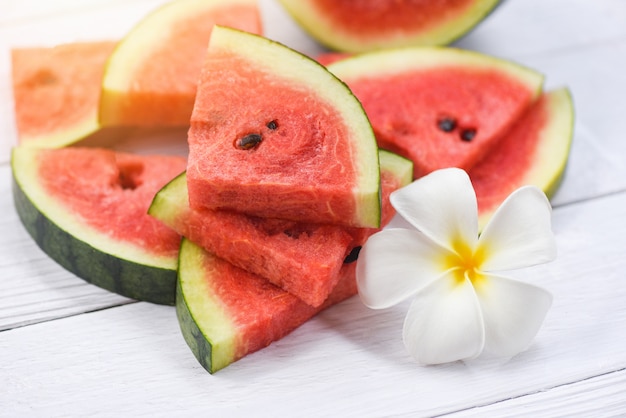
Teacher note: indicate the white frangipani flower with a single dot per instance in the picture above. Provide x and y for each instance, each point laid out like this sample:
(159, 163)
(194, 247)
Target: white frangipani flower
(461, 307)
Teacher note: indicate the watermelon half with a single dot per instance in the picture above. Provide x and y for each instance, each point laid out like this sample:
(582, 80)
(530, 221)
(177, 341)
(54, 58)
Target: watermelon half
(274, 134)
(534, 152)
(56, 91)
(87, 209)
(440, 107)
(366, 25)
(301, 258)
(151, 77)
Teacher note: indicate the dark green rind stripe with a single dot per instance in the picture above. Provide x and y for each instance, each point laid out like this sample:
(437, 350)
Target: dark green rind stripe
(199, 345)
(124, 277)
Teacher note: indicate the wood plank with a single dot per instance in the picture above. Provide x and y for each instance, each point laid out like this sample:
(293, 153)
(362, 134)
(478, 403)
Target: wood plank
(597, 396)
(33, 287)
(133, 358)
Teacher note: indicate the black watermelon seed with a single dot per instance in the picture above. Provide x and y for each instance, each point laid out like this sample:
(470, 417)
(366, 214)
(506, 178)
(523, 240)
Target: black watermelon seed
(446, 124)
(249, 141)
(353, 256)
(272, 125)
(468, 134)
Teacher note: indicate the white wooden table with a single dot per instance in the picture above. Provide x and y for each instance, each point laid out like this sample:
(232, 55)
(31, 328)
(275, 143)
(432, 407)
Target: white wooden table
(68, 348)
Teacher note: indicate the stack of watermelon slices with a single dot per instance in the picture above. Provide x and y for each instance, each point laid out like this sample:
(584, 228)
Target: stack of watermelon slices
(285, 179)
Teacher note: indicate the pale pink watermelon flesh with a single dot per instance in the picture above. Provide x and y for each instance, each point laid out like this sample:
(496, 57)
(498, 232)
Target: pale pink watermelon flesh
(162, 88)
(111, 192)
(444, 117)
(302, 258)
(56, 91)
(286, 152)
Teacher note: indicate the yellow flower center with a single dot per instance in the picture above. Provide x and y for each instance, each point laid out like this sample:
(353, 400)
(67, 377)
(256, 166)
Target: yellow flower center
(465, 262)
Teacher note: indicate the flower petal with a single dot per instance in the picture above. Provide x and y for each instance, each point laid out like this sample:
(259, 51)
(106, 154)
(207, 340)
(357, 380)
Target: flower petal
(394, 264)
(442, 205)
(444, 323)
(513, 313)
(519, 234)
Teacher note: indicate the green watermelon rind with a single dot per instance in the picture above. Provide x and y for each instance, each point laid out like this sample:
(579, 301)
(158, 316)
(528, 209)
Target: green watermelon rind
(111, 265)
(213, 344)
(319, 28)
(313, 77)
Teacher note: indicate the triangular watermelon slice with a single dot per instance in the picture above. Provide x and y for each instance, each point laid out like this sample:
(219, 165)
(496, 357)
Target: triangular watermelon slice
(440, 107)
(533, 152)
(87, 209)
(274, 134)
(151, 77)
(226, 313)
(302, 258)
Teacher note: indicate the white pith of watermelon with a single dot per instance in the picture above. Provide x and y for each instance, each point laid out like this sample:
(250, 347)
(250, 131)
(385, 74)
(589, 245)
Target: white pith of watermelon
(366, 26)
(319, 163)
(86, 208)
(407, 92)
(534, 152)
(150, 78)
(303, 259)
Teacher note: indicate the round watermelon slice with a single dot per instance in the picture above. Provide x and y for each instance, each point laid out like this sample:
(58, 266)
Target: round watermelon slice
(440, 107)
(151, 77)
(56, 91)
(274, 134)
(534, 152)
(87, 209)
(366, 25)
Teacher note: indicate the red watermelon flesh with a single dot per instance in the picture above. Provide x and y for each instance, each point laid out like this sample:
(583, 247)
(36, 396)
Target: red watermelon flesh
(110, 192)
(439, 107)
(533, 152)
(272, 141)
(253, 313)
(302, 258)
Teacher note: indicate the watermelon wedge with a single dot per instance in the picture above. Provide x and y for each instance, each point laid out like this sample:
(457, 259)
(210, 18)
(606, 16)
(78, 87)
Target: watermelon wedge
(56, 91)
(302, 259)
(226, 313)
(534, 152)
(151, 77)
(359, 26)
(86, 208)
(274, 134)
(440, 107)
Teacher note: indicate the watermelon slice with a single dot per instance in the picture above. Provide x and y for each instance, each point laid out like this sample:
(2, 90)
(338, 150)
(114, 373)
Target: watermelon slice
(57, 90)
(534, 151)
(440, 107)
(151, 77)
(302, 259)
(367, 25)
(274, 134)
(86, 208)
(226, 313)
